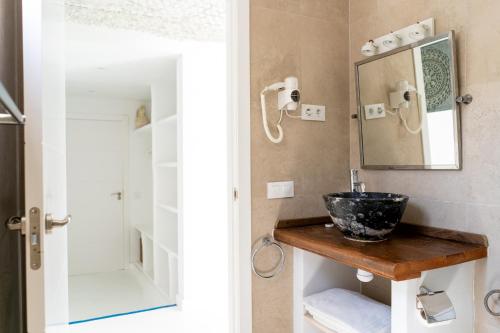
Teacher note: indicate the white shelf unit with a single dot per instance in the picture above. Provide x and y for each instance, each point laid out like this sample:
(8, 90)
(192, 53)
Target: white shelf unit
(147, 257)
(165, 152)
(313, 273)
(159, 233)
(166, 164)
(165, 186)
(144, 129)
(165, 135)
(166, 229)
(146, 230)
(308, 318)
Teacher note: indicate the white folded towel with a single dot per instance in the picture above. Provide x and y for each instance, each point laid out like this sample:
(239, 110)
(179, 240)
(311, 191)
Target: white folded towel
(346, 311)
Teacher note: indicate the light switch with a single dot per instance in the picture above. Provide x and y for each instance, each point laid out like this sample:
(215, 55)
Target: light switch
(277, 190)
(374, 111)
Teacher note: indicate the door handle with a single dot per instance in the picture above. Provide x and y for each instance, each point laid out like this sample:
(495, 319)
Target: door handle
(16, 223)
(51, 222)
(118, 195)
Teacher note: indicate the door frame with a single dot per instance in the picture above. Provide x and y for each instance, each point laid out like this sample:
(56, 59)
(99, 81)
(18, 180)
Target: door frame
(239, 177)
(124, 120)
(238, 106)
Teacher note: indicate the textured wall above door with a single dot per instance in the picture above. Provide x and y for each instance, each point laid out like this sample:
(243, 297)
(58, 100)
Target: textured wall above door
(201, 20)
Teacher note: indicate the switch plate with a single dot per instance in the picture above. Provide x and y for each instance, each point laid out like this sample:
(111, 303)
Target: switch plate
(278, 190)
(313, 112)
(374, 111)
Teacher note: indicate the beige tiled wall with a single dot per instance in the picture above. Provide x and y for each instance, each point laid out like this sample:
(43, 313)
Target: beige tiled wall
(318, 41)
(308, 39)
(468, 199)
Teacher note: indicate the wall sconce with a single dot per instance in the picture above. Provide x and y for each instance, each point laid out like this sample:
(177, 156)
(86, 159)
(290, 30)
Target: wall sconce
(369, 48)
(397, 38)
(392, 41)
(418, 31)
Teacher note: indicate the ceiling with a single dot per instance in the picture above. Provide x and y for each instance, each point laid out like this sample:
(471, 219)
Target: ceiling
(116, 63)
(201, 20)
(117, 48)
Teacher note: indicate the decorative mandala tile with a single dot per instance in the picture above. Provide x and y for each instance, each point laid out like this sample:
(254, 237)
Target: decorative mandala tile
(436, 60)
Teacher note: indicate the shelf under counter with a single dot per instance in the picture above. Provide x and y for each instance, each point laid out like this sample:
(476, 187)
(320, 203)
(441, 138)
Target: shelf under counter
(410, 249)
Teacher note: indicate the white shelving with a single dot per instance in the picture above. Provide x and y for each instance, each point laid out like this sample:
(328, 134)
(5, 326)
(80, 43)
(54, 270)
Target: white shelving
(163, 275)
(165, 135)
(166, 164)
(166, 229)
(167, 207)
(165, 187)
(144, 129)
(145, 229)
(167, 119)
(147, 257)
(159, 234)
(308, 318)
(313, 273)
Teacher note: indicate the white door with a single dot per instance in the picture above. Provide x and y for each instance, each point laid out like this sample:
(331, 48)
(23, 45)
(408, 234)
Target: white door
(96, 167)
(45, 165)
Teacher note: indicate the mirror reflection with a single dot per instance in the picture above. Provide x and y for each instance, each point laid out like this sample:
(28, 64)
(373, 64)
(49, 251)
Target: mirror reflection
(406, 108)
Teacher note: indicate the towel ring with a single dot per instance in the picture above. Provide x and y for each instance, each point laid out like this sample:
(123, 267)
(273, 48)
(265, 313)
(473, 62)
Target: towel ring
(487, 306)
(266, 241)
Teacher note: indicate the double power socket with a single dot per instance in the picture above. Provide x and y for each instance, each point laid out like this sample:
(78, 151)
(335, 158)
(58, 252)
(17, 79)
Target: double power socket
(312, 112)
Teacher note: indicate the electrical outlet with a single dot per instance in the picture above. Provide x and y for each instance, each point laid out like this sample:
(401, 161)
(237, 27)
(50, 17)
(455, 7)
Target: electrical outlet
(313, 112)
(374, 111)
(277, 190)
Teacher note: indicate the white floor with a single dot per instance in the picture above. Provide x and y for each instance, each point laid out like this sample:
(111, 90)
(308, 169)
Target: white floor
(107, 294)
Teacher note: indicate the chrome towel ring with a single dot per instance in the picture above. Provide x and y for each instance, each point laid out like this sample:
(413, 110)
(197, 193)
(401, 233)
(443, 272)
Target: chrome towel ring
(487, 305)
(261, 243)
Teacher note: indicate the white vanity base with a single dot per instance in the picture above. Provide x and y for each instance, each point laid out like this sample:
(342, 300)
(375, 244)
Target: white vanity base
(314, 273)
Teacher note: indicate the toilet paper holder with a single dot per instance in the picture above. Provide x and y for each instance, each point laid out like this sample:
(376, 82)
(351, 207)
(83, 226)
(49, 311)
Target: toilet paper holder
(435, 307)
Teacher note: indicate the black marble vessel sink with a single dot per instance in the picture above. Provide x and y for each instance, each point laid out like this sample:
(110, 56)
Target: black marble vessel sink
(366, 216)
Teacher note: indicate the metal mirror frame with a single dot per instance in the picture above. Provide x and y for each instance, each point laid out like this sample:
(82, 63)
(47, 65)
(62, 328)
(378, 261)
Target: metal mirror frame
(456, 109)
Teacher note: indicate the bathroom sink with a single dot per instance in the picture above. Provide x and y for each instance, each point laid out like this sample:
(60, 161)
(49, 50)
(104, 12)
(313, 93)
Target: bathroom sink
(366, 216)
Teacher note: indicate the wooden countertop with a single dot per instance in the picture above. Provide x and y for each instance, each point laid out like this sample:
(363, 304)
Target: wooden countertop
(409, 251)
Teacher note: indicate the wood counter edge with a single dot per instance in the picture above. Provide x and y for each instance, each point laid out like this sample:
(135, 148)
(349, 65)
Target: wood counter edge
(435, 232)
(392, 271)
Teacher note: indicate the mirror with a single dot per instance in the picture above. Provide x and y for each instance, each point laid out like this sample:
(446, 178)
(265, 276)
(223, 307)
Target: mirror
(407, 114)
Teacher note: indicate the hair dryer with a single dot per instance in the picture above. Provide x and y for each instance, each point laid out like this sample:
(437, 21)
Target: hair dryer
(401, 98)
(288, 100)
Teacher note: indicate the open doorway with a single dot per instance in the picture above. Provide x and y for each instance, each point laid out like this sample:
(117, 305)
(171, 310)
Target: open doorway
(124, 155)
(122, 160)
(210, 268)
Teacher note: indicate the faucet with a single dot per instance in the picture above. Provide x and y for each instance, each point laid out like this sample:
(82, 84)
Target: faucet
(356, 185)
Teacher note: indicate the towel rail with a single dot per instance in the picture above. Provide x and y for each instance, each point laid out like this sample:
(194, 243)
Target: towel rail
(487, 305)
(13, 115)
(266, 241)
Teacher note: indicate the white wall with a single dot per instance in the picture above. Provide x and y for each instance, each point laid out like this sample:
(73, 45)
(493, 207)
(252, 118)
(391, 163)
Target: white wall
(205, 197)
(138, 188)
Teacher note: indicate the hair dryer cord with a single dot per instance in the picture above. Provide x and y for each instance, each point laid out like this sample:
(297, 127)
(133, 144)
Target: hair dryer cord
(269, 135)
